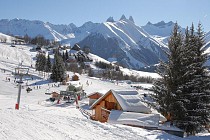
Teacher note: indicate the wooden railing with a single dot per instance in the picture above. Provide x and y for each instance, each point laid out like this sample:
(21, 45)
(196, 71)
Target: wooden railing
(87, 113)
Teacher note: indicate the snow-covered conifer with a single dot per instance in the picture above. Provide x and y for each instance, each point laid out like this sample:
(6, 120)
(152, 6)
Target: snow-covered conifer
(48, 64)
(58, 69)
(40, 62)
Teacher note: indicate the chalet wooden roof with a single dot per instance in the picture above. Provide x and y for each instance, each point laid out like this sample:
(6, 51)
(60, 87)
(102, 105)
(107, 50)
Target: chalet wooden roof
(129, 100)
(89, 95)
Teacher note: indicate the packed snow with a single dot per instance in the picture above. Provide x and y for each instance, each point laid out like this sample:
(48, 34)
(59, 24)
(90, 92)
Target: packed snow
(37, 120)
(132, 118)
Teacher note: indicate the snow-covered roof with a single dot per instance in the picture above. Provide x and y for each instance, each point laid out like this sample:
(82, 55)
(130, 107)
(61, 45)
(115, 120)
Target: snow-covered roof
(94, 93)
(129, 100)
(77, 74)
(162, 118)
(132, 118)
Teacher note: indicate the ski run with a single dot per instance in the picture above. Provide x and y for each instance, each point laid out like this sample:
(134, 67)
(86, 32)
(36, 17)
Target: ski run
(38, 119)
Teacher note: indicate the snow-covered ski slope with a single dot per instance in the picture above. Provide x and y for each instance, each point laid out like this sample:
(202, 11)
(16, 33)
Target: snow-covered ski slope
(39, 120)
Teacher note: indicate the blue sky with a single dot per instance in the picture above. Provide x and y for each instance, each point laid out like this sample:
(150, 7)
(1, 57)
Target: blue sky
(80, 11)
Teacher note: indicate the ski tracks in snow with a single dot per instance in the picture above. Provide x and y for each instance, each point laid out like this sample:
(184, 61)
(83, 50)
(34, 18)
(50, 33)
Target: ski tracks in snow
(24, 124)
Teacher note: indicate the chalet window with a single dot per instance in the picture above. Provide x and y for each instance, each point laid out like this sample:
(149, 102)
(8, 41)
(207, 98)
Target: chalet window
(110, 105)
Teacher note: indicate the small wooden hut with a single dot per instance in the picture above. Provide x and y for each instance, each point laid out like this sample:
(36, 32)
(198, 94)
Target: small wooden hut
(75, 77)
(64, 82)
(93, 97)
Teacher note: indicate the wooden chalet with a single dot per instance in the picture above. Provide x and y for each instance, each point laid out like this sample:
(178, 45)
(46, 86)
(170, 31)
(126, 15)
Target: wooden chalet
(117, 100)
(94, 97)
(64, 82)
(75, 77)
(127, 108)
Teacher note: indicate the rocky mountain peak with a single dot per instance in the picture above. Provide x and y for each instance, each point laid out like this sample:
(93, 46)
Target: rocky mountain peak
(123, 17)
(131, 19)
(110, 19)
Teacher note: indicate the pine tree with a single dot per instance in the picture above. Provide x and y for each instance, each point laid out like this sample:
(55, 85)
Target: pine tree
(67, 55)
(204, 84)
(183, 90)
(161, 90)
(195, 83)
(166, 88)
(58, 69)
(40, 62)
(198, 86)
(64, 56)
(54, 75)
(48, 64)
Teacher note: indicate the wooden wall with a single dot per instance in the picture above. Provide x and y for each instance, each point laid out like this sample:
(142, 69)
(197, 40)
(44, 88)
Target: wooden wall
(75, 78)
(95, 96)
(102, 104)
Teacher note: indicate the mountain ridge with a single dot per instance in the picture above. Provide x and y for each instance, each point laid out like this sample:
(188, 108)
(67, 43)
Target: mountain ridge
(130, 44)
(133, 46)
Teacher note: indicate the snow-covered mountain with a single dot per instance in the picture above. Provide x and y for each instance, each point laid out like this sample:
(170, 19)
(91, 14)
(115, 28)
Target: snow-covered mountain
(161, 28)
(161, 31)
(123, 40)
(22, 27)
(127, 42)
(130, 44)
(207, 39)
